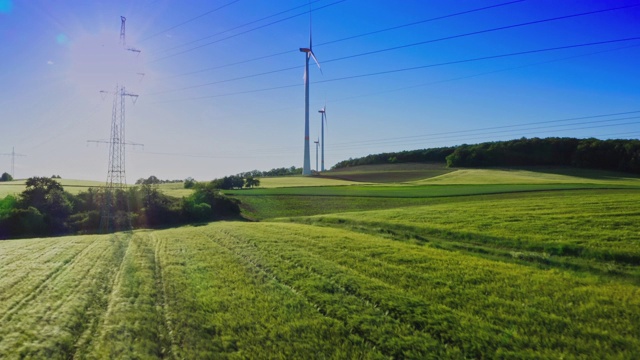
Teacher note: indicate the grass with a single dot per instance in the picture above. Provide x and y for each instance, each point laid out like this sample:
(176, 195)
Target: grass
(77, 186)
(53, 293)
(258, 290)
(389, 173)
(301, 181)
(534, 175)
(590, 230)
(261, 204)
(11, 187)
(175, 189)
(70, 185)
(539, 265)
(267, 203)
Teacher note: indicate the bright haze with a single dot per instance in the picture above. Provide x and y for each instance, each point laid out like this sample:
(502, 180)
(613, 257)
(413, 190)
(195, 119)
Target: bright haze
(221, 87)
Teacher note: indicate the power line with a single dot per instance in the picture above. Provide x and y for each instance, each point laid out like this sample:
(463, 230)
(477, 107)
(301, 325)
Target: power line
(420, 22)
(246, 31)
(227, 80)
(480, 59)
(190, 20)
(13, 155)
(480, 131)
(455, 135)
(479, 136)
(414, 68)
(404, 46)
(352, 37)
(480, 32)
(456, 78)
(484, 73)
(496, 127)
(241, 26)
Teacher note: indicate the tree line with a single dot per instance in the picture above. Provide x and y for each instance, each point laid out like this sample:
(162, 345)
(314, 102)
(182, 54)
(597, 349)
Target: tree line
(44, 208)
(617, 155)
(247, 179)
(283, 171)
(407, 156)
(151, 180)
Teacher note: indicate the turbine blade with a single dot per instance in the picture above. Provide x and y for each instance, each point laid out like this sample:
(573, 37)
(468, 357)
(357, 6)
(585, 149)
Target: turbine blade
(316, 60)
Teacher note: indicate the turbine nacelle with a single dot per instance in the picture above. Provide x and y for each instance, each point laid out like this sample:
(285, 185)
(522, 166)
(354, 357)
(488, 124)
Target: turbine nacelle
(312, 55)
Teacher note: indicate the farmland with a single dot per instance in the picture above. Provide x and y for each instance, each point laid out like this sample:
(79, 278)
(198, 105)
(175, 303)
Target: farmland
(544, 269)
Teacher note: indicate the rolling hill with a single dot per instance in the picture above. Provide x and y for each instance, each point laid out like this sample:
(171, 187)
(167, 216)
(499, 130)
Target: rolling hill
(471, 263)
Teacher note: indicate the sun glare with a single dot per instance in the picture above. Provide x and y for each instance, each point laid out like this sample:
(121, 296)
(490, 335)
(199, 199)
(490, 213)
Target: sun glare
(6, 6)
(99, 62)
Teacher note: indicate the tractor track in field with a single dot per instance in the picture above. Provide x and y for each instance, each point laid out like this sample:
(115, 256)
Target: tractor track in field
(269, 274)
(26, 249)
(386, 311)
(44, 283)
(94, 340)
(16, 258)
(84, 340)
(101, 322)
(162, 303)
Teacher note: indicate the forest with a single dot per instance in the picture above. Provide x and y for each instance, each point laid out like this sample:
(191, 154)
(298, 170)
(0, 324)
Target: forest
(616, 155)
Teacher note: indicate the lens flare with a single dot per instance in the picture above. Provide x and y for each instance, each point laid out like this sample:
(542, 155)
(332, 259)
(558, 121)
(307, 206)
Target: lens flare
(61, 38)
(6, 6)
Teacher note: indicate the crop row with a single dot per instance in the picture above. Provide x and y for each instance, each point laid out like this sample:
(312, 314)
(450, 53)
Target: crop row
(218, 305)
(54, 307)
(286, 290)
(601, 225)
(416, 301)
(133, 324)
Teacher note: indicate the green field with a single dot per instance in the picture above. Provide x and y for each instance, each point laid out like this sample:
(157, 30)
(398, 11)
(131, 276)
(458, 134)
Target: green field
(389, 173)
(72, 186)
(77, 186)
(275, 202)
(541, 270)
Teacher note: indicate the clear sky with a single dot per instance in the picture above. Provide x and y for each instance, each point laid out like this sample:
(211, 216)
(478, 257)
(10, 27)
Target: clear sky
(222, 90)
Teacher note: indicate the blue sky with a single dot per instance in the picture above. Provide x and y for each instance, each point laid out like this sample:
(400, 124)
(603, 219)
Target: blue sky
(196, 118)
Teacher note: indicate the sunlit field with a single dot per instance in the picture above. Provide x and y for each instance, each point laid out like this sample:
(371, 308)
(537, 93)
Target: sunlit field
(70, 185)
(538, 269)
(290, 290)
(300, 181)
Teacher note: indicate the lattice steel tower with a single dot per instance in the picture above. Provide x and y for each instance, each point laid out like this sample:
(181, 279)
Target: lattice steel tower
(117, 176)
(115, 198)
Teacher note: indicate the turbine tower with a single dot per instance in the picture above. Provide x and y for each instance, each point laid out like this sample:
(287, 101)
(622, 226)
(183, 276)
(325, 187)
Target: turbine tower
(306, 169)
(323, 120)
(316, 142)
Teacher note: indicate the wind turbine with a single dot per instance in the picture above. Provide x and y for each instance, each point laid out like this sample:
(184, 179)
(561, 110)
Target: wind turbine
(317, 142)
(306, 169)
(323, 120)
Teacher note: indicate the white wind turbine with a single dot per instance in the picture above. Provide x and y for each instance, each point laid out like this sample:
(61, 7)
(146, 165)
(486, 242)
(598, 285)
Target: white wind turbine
(323, 120)
(306, 169)
(317, 142)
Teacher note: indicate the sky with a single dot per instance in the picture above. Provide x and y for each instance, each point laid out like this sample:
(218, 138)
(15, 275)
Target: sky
(221, 90)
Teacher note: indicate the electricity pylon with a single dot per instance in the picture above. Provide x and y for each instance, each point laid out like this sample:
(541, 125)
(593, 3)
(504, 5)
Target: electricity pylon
(115, 197)
(13, 155)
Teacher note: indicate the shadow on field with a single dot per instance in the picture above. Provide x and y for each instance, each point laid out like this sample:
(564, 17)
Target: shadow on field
(577, 172)
(388, 173)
